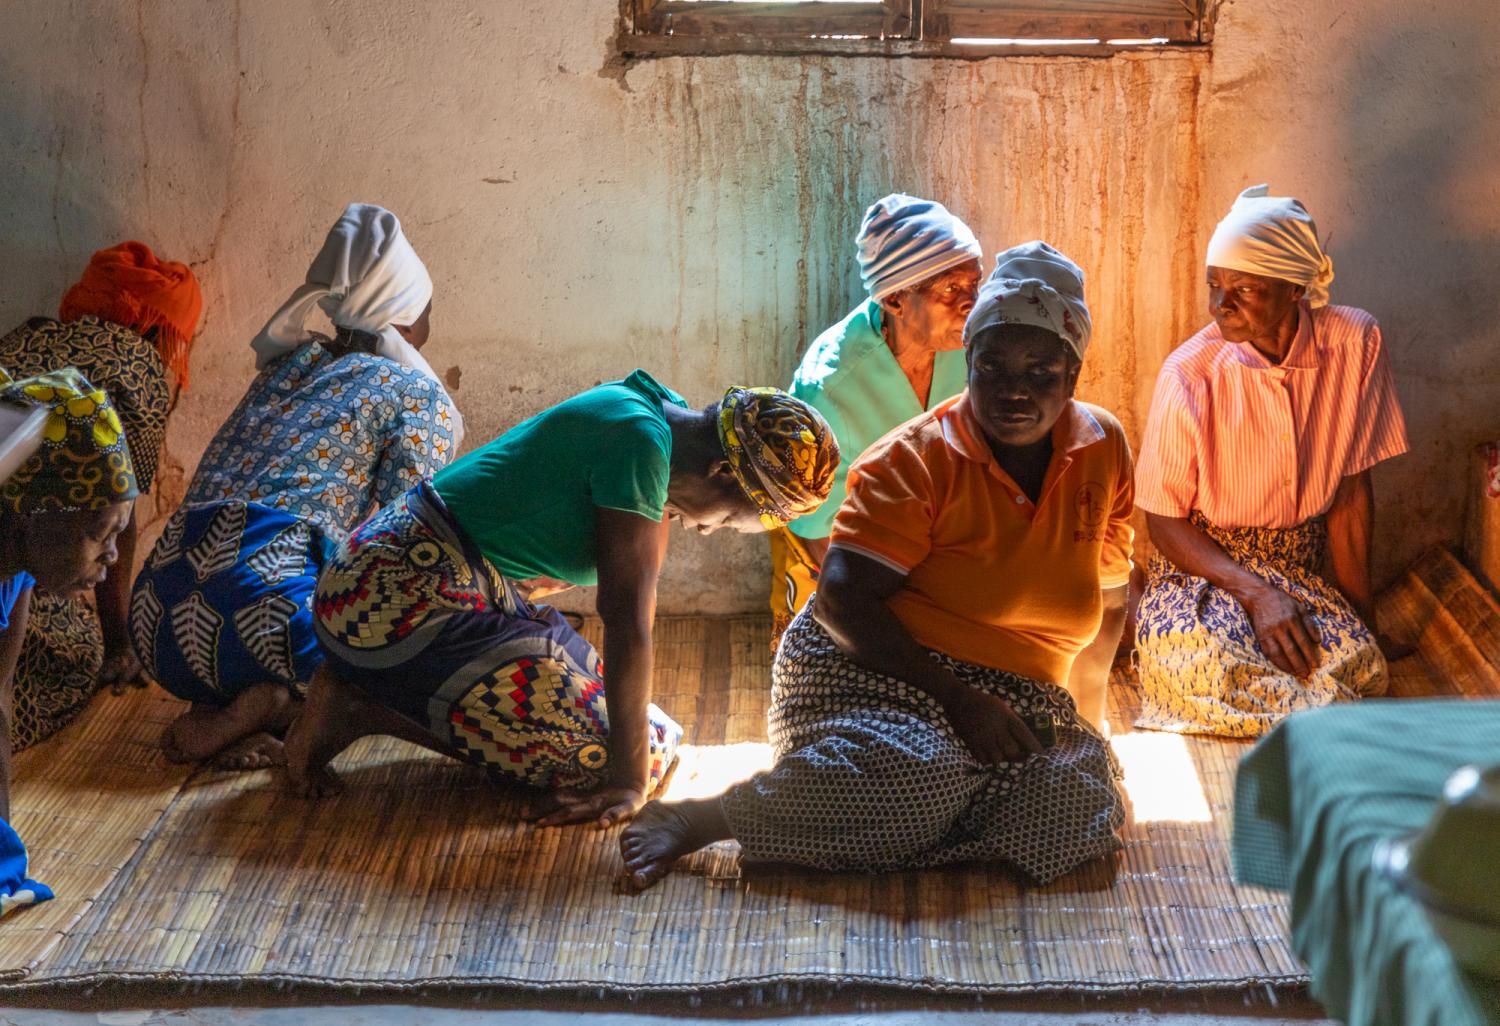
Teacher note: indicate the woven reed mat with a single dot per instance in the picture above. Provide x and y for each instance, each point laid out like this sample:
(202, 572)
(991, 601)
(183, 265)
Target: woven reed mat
(420, 875)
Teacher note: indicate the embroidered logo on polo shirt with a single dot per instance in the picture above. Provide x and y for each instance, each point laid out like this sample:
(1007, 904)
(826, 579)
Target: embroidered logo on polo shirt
(1089, 506)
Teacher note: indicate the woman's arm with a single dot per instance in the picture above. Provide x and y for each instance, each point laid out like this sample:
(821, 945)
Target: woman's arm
(1088, 682)
(852, 606)
(630, 549)
(10, 652)
(1351, 521)
(1285, 630)
(112, 597)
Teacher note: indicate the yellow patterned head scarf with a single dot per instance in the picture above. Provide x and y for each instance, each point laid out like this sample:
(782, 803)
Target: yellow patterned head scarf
(83, 462)
(781, 451)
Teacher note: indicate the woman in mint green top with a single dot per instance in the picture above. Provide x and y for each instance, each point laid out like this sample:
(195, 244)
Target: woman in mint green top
(896, 355)
(425, 610)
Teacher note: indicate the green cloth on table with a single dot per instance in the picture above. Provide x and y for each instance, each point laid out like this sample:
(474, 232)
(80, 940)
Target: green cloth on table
(1312, 800)
(850, 376)
(527, 499)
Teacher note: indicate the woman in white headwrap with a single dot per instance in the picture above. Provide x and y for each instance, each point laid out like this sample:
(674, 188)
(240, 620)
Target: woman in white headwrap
(898, 353)
(919, 715)
(1255, 462)
(332, 428)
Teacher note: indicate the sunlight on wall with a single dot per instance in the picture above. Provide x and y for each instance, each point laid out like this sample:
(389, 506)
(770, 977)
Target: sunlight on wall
(1160, 778)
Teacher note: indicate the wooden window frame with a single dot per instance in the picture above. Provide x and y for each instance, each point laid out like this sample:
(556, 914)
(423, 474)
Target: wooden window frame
(916, 28)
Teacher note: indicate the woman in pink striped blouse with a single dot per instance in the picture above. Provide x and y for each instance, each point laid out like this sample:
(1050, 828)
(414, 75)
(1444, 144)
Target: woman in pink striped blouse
(1255, 462)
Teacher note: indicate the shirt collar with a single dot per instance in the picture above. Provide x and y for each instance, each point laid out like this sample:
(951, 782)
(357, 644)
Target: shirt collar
(1076, 428)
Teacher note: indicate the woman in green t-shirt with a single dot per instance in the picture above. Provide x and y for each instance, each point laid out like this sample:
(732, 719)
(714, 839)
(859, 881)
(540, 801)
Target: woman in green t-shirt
(425, 610)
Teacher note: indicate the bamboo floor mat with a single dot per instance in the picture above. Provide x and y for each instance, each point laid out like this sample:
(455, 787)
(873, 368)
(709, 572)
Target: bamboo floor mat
(420, 875)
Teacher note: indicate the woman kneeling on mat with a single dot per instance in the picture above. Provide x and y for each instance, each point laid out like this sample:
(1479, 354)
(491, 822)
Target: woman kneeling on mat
(918, 713)
(425, 613)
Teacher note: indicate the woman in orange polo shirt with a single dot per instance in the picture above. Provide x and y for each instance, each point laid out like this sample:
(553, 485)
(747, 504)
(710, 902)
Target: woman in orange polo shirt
(919, 714)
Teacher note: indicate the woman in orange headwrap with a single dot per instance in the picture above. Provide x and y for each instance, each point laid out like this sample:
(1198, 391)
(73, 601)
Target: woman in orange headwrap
(127, 325)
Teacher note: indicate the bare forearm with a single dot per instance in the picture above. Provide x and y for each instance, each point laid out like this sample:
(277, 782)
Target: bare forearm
(627, 693)
(1351, 522)
(868, 632)
(10, 654)
(1089, 677)
(112, 596)
(1194, 552)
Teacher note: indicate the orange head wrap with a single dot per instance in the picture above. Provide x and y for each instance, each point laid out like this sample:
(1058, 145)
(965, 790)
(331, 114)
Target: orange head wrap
(128, 285)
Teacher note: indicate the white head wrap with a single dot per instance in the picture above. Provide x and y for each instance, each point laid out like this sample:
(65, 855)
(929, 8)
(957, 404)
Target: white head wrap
(1273, 236)
(1034, 284)
(905, 240)
(366, 277)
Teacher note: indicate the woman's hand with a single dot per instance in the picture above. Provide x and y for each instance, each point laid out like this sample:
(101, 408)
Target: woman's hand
(1285, 629)
(606, 807)
(990, 727)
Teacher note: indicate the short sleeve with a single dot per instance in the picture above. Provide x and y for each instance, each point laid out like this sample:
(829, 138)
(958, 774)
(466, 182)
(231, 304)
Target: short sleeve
(11, 590)
(1119, 533)
(632, 463)
(418, 443)
(1380, 427)
(1166, 480)
(889, 510)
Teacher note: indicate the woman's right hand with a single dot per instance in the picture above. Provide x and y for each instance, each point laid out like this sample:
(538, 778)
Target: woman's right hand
(990, 727)
(1285, 628)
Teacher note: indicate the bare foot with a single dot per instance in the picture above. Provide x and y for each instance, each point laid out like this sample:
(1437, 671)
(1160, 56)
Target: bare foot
(662, 833)
(258, 751)
(333, 717)
(205, 730)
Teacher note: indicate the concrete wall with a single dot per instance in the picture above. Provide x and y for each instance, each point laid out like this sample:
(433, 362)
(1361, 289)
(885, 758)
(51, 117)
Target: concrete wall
(695, 216)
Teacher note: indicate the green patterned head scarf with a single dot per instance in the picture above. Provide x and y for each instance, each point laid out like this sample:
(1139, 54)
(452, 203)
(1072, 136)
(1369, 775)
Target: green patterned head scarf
(781, 451)
(83, 462)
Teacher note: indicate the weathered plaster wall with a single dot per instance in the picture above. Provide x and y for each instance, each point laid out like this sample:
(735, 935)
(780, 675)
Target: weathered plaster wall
(695, 216)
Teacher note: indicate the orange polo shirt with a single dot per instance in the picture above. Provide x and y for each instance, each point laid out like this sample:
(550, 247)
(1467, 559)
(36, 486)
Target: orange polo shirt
(992, 578)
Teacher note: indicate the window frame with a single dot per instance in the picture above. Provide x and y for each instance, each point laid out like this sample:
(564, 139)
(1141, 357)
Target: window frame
(911, 28)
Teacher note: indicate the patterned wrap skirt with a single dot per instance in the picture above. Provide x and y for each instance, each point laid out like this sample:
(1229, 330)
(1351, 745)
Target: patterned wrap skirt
(57, 672)
(870, 775)
(412, 615)
(1201, 668)
(224, 601)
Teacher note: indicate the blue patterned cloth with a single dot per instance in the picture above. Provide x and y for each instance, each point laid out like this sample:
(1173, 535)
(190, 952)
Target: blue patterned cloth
(16, 891)
(11, 589)
(328, 437)
(1201, 667)
(224, 601)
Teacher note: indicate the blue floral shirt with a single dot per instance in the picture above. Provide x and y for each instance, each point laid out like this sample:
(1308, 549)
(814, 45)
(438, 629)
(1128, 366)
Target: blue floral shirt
(328, 438)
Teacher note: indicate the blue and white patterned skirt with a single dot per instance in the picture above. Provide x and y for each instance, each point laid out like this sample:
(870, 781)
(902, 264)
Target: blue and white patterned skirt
(1201, 668)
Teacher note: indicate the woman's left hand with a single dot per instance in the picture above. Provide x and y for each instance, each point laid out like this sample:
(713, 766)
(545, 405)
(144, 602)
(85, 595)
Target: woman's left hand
(606, 807)
(122, 671)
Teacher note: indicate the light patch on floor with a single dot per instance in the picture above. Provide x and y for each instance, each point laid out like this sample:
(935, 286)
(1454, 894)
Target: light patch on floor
(1160, 778)
(707, 770)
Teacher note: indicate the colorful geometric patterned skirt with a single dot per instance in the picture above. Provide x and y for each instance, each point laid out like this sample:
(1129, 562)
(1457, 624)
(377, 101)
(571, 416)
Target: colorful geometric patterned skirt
(413, 616)
(870, 775)
(224, 602)
(1201, 668)
(58, 669)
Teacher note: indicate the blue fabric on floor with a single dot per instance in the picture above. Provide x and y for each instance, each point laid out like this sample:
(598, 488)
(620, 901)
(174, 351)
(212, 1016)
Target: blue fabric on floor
(16, 891)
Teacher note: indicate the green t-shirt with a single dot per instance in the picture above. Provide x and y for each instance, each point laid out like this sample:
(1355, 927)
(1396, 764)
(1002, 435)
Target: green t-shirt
(850, 376)
(527, 499)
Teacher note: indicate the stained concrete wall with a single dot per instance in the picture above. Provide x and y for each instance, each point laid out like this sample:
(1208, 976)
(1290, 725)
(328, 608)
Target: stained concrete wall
(694, 217)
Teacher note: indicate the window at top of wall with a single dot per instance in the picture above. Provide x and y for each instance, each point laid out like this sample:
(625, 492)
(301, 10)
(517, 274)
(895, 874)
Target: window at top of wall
(942, 28)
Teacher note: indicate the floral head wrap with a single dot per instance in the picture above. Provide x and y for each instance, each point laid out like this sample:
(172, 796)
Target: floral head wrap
(129, 285)
(83, 462)
(781, 451)
(1034, 284)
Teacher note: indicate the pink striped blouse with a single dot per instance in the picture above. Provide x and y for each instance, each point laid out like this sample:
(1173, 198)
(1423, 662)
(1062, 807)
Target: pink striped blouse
(1252, 444)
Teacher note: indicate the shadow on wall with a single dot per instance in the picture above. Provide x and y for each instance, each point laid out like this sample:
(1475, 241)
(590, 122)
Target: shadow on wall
(1425, 203)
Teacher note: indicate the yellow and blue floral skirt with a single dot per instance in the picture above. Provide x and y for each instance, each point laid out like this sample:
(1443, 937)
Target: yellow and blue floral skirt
(1201, 668)
(410, 613)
